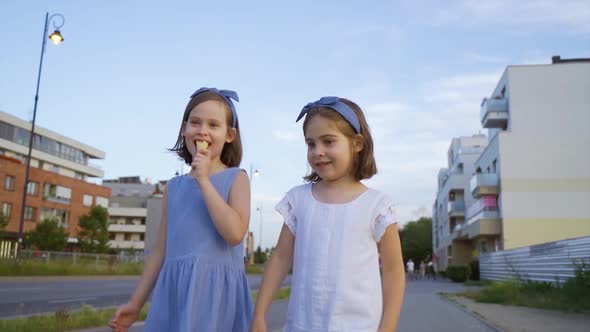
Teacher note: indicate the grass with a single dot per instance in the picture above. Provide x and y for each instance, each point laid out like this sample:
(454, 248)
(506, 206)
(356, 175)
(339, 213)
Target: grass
(570, 296)
(39, 268)
(86, 317)
(63, 320)
(254, 269)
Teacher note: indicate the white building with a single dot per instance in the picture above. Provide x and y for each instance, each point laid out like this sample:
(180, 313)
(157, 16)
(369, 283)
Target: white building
(452, 197)
(128, 212)
(532, 182)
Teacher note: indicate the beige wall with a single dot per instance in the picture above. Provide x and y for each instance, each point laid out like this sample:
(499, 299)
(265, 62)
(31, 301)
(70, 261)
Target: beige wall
(545, 163)
(522, 232)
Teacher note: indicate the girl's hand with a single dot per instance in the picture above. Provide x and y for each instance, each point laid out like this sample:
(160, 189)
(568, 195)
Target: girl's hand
(124, 317)
(258, 325)
(201, 164)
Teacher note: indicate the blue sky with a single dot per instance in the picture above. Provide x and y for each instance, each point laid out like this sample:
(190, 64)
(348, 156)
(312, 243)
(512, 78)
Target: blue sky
(419, 69)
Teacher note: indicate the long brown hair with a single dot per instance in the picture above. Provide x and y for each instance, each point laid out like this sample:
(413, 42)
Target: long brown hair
(364, 165)
(231, 155)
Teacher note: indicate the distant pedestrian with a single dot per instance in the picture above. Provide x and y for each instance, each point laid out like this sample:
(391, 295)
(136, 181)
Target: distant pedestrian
(196, 266)
(422, 269)
(410, 269)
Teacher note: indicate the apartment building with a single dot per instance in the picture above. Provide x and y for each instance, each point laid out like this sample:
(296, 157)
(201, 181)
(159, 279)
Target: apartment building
(57, 186)
(129, 213)
(531, 183)
(452, 198)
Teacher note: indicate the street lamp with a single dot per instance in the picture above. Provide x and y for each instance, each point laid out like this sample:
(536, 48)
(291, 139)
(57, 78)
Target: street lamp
(259, 209)
(56, 38)
(250, 258)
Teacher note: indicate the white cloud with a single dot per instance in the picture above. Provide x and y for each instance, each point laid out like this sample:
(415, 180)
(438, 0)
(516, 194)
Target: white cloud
(570, 13)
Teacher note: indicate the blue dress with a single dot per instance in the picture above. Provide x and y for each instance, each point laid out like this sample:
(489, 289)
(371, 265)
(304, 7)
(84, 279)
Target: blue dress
(202, 285)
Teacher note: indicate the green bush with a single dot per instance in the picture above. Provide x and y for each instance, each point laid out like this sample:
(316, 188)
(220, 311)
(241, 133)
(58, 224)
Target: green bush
(458, 273)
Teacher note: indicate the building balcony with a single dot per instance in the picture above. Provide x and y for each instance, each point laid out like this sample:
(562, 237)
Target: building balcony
(484, 184)
(115, 228)
(494, 113)
(127, 244)
(456, 208)
(485, 223)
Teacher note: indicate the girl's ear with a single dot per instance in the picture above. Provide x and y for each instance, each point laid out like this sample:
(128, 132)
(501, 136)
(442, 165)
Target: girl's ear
(358, 142)
(231, 135)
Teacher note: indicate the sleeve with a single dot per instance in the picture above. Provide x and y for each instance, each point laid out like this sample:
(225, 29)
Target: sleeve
(385, 217)
(285, 208)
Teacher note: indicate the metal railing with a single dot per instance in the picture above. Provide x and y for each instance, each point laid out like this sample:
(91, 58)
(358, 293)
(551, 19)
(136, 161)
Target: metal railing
(548, 262)
(76, 257)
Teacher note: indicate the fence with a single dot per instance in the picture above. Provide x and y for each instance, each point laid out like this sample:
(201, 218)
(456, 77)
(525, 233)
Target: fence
(77, 257)
(549, 262)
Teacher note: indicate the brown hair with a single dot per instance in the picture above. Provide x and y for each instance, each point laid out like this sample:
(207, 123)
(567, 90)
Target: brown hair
(364, 166)
(231, 155)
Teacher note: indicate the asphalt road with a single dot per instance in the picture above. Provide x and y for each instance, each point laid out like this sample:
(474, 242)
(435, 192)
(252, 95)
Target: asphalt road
(40, 295)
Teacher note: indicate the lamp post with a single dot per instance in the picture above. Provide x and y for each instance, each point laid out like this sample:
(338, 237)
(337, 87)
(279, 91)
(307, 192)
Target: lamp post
(56, 38)
(259, 209)
(250, 251)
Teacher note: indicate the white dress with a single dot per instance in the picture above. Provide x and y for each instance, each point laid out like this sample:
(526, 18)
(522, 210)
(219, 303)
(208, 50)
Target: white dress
(336, 284)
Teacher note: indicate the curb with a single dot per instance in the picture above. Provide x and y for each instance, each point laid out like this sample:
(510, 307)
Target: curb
(474, 314)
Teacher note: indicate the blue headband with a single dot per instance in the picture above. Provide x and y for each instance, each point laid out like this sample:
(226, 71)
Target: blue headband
(335, 104)
(227, 95)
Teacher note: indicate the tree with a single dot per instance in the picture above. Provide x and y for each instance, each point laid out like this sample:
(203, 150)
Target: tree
(416, 240)
(259, 256)
(94, 234)
(48, 235)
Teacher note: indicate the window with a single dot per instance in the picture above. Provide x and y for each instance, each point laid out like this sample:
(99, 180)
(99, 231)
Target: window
(55, 193)
(60, 215)
(9, 183)
(142, 237)
(494, 166)
(30, 213)
(32, 188)
(104, 202)
(87, 200)
(6, 208)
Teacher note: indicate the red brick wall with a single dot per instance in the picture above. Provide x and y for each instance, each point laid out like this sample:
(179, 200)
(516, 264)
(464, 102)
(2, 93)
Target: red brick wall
(13, 167)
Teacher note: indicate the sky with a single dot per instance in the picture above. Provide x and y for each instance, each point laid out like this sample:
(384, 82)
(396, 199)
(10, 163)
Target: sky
(419, 70)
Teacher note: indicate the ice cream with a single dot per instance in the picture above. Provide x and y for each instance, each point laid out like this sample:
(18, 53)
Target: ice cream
(202, 145)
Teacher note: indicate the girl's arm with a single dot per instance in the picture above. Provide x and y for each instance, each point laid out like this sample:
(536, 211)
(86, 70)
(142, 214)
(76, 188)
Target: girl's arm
(154, 262)
(393, 278)
(281, 262)
(230, 219)
(129, 313)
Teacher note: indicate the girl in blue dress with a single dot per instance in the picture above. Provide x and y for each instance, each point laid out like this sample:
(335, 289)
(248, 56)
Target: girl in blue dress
(196, 267)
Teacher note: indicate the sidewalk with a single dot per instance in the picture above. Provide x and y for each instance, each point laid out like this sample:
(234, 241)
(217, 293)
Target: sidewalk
(522, 319)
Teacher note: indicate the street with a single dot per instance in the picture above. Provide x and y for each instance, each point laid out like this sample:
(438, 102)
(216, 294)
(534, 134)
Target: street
(39, 295)
(423, 310)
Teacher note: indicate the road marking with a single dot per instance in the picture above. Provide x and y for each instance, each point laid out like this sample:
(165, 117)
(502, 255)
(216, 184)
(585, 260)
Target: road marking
(20, 289)
(72, 300)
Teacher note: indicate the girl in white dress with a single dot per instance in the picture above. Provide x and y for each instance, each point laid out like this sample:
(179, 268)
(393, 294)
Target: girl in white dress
(335, 228)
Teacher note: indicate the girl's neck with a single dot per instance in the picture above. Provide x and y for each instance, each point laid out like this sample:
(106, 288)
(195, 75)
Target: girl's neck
(343, 190)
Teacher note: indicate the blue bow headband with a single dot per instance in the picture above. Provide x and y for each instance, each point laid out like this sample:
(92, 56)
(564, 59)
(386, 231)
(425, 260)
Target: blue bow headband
(335, 104)
(227, 95)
